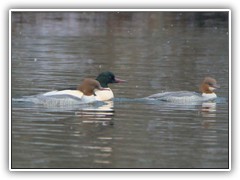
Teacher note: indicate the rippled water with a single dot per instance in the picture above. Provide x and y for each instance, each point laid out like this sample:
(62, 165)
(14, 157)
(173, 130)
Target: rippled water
(154, 52)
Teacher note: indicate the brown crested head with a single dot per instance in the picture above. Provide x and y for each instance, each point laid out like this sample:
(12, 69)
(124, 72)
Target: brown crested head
(88, 86)
(208, 85)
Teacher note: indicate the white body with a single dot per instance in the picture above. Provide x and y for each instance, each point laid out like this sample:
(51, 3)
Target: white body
(76, 96)
(74, 93)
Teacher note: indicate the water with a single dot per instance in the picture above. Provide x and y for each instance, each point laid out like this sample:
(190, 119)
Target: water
(154, 52)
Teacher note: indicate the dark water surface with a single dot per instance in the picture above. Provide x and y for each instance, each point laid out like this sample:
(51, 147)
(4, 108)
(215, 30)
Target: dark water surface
(154, 52)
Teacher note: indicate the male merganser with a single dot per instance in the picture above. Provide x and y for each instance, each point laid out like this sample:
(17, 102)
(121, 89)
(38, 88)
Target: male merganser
(207, 89)
(84, 92)
(97, 90)
(104, 79)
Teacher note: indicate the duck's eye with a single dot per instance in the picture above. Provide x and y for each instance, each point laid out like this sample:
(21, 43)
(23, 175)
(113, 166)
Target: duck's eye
(210, 84)
(111, 78)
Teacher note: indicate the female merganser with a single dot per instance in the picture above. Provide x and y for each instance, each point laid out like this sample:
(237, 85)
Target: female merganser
(84, 92)
(104, 79)
(207, 89)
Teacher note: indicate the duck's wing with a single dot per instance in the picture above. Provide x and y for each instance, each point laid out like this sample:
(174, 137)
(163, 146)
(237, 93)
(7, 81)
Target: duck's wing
(64, 93)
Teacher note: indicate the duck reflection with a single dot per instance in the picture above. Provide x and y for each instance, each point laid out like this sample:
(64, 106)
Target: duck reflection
(208, 109)
(99, 113)
(208, 112)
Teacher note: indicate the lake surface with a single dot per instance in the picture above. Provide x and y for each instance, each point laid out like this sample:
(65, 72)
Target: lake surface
(155, 52)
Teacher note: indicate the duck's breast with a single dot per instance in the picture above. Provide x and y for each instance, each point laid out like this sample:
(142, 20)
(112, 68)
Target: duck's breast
(104, 95)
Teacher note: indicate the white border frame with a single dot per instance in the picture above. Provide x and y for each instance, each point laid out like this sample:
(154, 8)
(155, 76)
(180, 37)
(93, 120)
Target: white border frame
(120, 10)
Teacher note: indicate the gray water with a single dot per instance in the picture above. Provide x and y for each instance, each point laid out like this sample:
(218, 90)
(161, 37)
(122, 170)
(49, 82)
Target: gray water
(155, 52)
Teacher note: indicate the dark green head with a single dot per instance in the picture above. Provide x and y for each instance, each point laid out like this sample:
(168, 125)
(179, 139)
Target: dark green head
(107, 77)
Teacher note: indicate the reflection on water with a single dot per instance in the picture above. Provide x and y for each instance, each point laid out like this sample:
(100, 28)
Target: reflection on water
(209, 107)
(101, 114)
(155, 52)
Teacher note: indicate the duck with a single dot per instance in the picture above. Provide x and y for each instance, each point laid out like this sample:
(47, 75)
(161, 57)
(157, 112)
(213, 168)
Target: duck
(84, 92)
(95, 89)
(207, 88)
(106, 78)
